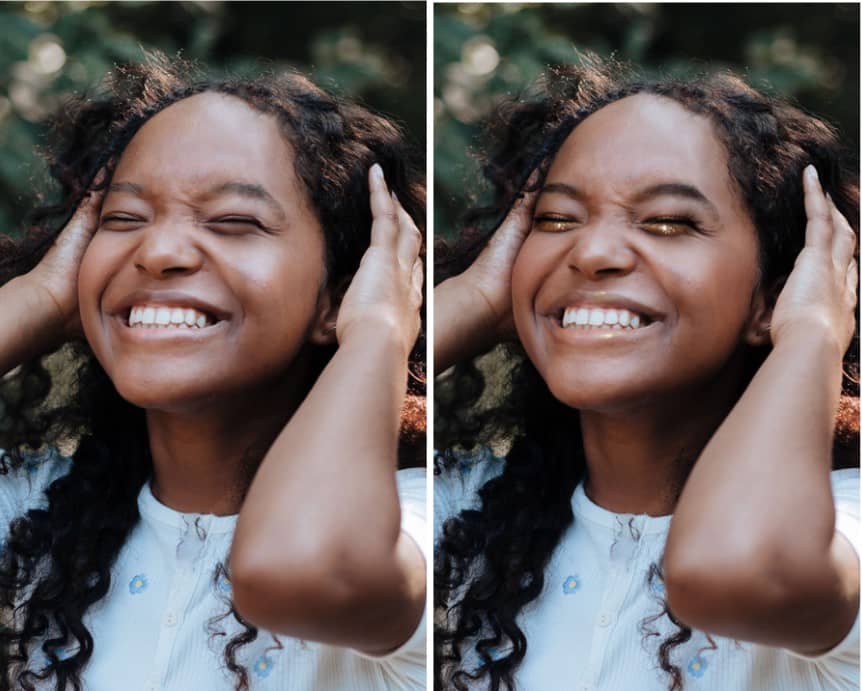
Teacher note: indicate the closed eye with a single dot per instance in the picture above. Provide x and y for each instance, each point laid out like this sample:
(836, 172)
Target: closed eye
(237, 222)
(119, 221)
(554, 224)
(670, 225)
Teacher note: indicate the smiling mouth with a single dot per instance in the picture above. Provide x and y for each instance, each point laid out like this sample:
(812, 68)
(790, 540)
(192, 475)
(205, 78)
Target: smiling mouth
(168, 317)
(605, 318)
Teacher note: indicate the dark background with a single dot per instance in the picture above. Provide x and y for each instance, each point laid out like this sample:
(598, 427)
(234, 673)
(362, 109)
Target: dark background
(807, 52)
(371, 51)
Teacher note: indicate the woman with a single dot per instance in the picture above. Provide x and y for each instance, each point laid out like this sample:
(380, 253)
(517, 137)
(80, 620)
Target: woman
(684, 294)
(213, 266)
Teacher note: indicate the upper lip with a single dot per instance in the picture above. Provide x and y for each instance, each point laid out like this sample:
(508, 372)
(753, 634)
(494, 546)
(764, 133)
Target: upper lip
(168, 298)
(604, 300)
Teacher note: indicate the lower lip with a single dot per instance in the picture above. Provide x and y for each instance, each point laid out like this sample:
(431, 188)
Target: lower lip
(596, 335)
(166, 334)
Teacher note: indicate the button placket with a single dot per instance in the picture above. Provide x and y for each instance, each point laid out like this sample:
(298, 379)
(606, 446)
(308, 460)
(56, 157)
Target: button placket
(629, 543)
(191, 546)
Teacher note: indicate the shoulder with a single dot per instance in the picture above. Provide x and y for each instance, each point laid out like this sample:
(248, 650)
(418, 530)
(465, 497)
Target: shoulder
(458, 477)
(841, 664)
(412, 484)
(24, 477)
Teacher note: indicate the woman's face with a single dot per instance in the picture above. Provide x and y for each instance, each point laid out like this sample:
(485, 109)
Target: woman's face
(205, 223)
(640, 232)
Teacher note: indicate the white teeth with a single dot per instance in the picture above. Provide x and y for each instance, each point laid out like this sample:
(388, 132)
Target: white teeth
(176, 317)
(597, 317)
(163, 315)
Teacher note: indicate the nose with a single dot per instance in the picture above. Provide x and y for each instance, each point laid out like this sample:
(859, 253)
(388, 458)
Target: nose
(167, 249)
(602, 249)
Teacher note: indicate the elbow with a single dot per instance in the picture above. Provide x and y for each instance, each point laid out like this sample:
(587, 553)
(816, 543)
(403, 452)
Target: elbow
(731, 593)
(312, 593)
(292, 595)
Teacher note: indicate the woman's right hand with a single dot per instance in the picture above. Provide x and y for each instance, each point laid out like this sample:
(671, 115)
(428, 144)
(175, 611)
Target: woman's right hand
(473, 311)
(55, 278)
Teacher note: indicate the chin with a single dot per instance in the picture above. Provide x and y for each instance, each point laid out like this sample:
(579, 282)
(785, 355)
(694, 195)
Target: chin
(601, 389)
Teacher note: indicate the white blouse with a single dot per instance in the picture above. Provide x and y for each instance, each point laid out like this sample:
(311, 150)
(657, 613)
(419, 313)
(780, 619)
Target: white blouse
(160, 627)
(589, 629)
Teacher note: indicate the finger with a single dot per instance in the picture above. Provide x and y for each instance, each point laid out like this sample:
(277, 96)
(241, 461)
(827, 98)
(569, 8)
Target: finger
(843, 240)
(515, 227)
(409, 236)
(417, 278)
(852, 278)
(81, 227)
(818, 230)
(384, 224)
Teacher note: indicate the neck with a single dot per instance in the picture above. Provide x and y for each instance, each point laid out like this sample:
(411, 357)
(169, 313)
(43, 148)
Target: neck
(204, 457)
(639, 459)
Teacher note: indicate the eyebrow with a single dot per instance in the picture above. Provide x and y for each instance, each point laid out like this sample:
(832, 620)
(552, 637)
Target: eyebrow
(250, 190)
(673, 189)
(244, 189)
(676, 189)
(129, 187)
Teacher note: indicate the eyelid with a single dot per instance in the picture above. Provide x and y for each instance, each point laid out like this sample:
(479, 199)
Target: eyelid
(551, 222)
(236, 218)
(683, 224)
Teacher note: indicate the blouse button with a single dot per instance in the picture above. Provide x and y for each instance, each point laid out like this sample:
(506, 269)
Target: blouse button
(170, 619)
(604, 619)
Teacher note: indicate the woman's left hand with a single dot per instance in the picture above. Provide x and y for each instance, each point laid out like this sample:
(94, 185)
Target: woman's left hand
(386, 292)
(820, 293)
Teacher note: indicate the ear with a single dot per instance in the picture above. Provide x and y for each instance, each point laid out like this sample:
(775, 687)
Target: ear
(756, 331)
(323, 328)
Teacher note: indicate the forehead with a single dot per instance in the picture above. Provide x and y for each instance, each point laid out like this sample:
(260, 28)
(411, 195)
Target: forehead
(641, 140)
(208, 138)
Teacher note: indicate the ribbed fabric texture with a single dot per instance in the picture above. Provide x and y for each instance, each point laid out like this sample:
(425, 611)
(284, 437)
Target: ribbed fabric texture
(161, 626)
(590, 628)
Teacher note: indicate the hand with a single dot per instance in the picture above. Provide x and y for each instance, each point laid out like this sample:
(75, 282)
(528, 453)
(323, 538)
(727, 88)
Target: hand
(489, 278)
(55, 278)
(820, 293)
(386, 292)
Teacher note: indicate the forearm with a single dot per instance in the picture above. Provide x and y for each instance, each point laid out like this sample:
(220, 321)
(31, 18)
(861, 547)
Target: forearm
(460, 331)
(318, 541)
(27, 329)
(756, 517)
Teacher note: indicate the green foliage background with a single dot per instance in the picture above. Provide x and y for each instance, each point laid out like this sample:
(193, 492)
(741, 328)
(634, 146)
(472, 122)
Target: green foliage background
(372, 51)
(808, 52)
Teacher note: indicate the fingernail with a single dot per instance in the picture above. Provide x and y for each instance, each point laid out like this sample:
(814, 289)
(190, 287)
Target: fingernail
(811, 172)
(377, 171)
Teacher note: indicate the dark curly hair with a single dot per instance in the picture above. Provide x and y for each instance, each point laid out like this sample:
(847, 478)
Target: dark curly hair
(57, 560)
(491, 561)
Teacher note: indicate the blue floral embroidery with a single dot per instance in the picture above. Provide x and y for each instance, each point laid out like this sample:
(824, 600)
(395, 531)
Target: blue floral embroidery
(138, 584)
(571, 585)
(657, 586)
(697, 666)
(223, 584)
(263, 666)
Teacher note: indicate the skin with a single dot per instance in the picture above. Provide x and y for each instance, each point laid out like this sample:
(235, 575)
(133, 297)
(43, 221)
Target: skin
(652, 399)
(169, 222)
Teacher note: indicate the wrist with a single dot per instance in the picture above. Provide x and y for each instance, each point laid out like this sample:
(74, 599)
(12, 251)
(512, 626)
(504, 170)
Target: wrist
(381, 333)
(812, 340)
